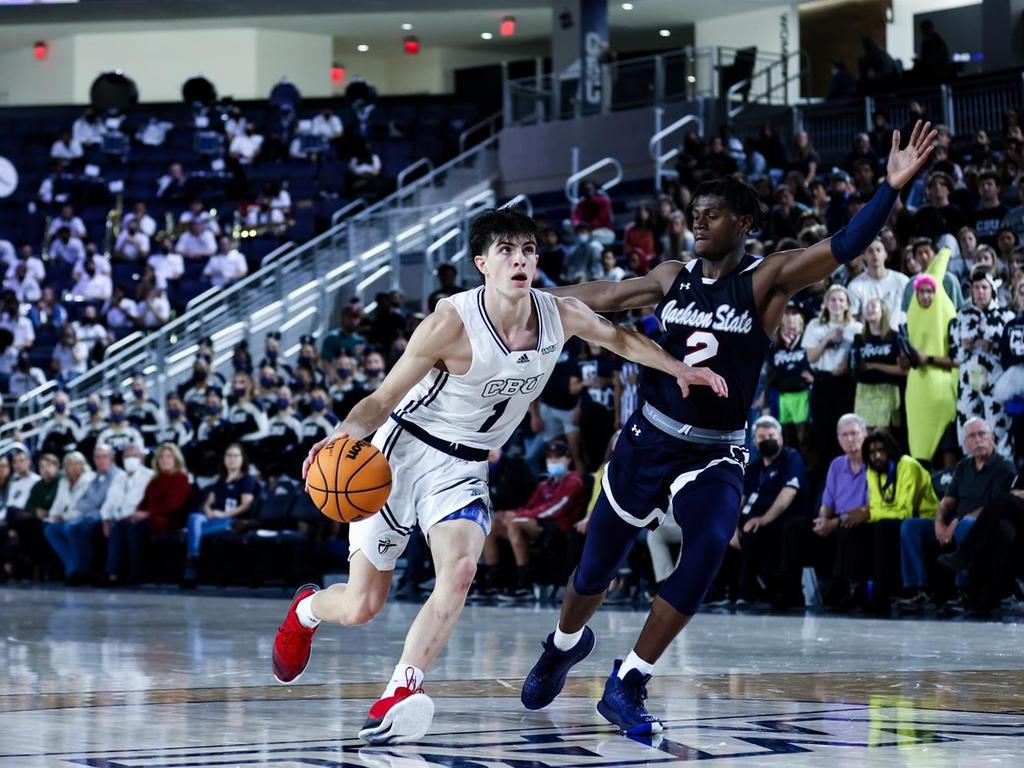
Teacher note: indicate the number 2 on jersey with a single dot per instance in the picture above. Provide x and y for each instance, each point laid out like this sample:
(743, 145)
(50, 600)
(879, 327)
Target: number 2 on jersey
(499, 409)
(704, 345)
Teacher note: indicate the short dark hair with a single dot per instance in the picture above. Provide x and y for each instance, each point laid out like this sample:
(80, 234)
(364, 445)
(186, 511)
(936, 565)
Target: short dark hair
(497, 224)
(990, 175)
(740, 197)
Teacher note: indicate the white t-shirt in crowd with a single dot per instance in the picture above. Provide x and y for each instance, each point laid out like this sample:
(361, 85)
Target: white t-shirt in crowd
(226, 268)
(147, 225)
(132, 246)
(889, 289)
(245, 148)
(328, 127)
(195, 246)
(34, 268)
(166, 266)
(834, 354)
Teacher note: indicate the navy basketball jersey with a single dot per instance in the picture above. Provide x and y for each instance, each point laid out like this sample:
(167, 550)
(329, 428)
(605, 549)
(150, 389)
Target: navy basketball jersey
(712, 323)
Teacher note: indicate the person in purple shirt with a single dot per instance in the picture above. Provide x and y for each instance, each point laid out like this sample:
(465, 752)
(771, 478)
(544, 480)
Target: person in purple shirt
(810, 543)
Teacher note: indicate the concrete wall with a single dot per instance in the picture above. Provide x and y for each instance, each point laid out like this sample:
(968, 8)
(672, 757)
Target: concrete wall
(302, 58)
(23, 80)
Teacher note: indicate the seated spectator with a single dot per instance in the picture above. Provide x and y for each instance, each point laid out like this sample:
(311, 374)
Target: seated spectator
(583, 261)
(22, 479)
(264, 218)
(594, 209)
(33, 264)
(175, 428)
(25, 286)
(551, 261)
(245, 146)
(119, 434)
(447, 279)
(229, 499)
(48, 312)
(25, 377)
(932, 380)
(807, 543)
(146, 223)
(879, 368)
(775, 489)
(197, 242)
(555, 505)
(279, 196)
(328, 125)
(61, 431)
(126, 492)
(786, 215)
(610, 267)
(154, 132)
(803, 157)
(65, 525)
(347, 338)
(1014, 218)
(364, 171)
(319, 423)
(25, 547)
(12, 320)
(868, 547)
(197, 210)
(118, 313)
(988, 217)
(234, 123)
(212, 430)
(940, 216)
(143, 411)
(639, 238)
(277, 448)
(91, 283)
(168, 266)
(67, 218)
(66, 148)
(154, 310)
(66, 247)
(173, 185)
(979, 479)
(347, 388)
(678, 242)
(87, 130)
(8, 352)
(132, 244)
(69, 356)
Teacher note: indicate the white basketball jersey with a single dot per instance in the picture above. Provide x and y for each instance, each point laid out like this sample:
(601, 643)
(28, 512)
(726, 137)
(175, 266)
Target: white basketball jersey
(482, 407)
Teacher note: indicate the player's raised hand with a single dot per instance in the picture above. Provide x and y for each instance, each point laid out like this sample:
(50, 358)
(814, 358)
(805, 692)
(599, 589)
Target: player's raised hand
(905, 163)
(311, 456)
(688, 376)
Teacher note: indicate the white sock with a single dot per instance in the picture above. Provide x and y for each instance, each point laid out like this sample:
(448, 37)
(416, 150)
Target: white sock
(304, 612)
(404, 676)
(635, 662)
(565, 641)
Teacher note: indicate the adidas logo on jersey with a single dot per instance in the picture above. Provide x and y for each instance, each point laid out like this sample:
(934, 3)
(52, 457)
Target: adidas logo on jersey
(523, 358)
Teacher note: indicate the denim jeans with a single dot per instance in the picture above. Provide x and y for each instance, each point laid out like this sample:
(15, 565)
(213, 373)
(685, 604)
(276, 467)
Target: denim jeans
(73, 543)
(917, 537)
(125, 547)
(200, 525)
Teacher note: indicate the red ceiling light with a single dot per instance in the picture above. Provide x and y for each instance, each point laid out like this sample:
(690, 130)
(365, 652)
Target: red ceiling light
(39, 50)
(411, 44)
(507, 28)
(337, 74)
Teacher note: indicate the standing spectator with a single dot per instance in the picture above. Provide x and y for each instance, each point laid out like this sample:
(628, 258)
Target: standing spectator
(123, 497)
(978, 480)
(592, 382)
(988, 217)
(933, 63)
(932, 382)
(61, 523)
(868, 547)
(828, 341)
(790, 378)
(226, 266)
(230, 498)
(877, 281)
(924, 258)
(940, 216)
(879, 369)
(775, 489)
(554, 506)
(639, 237)
(803, 158)
(812, 543)
(975, 335)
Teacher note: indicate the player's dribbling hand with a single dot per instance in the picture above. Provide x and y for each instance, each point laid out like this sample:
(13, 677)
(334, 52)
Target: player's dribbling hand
(688, 376)
(311, 456)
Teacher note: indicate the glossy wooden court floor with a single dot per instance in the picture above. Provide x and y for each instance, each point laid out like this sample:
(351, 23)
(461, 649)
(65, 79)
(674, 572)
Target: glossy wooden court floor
(140, 679)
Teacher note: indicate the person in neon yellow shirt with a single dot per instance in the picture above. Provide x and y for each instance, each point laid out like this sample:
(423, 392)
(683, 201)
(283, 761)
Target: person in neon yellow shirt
(868, 547)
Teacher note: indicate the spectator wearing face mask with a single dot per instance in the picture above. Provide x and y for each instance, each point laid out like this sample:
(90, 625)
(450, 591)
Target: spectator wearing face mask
(143, 411)
(175, 428)
(91, 283)
(278, 446)
(319, 423)
(25, 286)
(60, 432)
(132, 244)
(347, 385)
(89, 330)
(67, 248)
(123, 498)
(120, 433)
(373, 370)
(25, 376)
(226, 266)
(20, 327)
(95, 423)
(211, 436)
(246, 422)
(273, 359)
(69, 356)
(167, 266)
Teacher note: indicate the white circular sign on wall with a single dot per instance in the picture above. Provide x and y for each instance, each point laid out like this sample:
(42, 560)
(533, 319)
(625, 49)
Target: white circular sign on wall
(8, 177)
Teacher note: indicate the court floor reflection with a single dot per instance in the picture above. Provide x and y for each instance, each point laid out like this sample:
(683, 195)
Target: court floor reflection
(118, 679)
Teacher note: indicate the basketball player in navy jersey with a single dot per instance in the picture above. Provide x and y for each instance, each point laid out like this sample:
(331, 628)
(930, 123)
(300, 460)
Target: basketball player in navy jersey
(465, 382)
(686, 457)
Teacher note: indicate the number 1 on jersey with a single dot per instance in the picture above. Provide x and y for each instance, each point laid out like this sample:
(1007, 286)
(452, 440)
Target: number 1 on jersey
(499, 409)
(705, 347)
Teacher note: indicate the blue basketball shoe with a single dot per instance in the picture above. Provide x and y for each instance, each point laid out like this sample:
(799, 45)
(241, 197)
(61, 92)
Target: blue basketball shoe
(547, 678)
(623, 703)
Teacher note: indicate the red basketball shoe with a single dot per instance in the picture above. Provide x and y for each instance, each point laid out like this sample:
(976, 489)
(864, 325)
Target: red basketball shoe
(293, 642)
(403, 716)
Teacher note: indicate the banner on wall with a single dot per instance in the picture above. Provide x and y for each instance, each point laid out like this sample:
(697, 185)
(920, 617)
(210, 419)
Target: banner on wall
(593, 44)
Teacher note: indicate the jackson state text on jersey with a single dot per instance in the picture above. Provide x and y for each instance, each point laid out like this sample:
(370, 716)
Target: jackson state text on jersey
(712, 323)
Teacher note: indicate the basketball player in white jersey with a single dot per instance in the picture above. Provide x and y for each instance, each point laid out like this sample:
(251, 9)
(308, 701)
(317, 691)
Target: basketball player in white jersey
(463, 385)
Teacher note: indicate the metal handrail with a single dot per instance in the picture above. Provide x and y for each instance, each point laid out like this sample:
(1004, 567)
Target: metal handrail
(765, 72)
(487, 121)
(520, 198)
(404, 173)
(572, 182)
(341, 213)
(654, 145)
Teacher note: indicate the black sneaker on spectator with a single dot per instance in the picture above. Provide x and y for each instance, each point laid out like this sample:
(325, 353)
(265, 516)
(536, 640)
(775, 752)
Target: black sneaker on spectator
(916, 602)
(517, 595)
(958, 602)
(722, 602)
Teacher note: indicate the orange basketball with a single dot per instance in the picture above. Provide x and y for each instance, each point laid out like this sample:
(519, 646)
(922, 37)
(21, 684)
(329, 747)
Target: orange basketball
(349, 480)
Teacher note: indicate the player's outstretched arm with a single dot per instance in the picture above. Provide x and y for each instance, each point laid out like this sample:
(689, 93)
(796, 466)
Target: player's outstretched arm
(579, 320)
(426, 346)
(786, 272)
(636, 292)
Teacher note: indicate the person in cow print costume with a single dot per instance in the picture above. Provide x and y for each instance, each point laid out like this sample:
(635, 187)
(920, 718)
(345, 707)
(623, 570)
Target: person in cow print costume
(974, 341)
